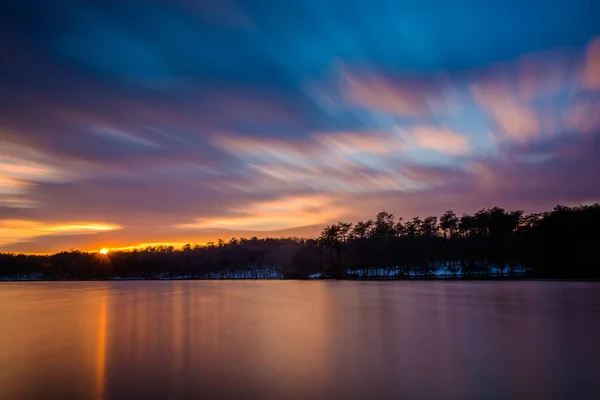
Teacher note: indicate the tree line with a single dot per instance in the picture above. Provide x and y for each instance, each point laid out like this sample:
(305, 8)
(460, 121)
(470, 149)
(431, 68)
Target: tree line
(560, 243)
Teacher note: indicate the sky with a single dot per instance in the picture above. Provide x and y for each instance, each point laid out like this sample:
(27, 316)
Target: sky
(172, 121)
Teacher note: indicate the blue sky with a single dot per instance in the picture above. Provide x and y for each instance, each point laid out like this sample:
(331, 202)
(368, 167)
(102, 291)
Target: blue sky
(127, 122)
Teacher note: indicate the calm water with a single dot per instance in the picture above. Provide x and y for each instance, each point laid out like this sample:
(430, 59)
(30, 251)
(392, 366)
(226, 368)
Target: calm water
(299, 340)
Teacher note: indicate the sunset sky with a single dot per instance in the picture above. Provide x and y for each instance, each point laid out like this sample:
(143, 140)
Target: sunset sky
(145, 121)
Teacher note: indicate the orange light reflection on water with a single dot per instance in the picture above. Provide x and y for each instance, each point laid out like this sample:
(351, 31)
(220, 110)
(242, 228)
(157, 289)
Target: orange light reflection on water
(101, 357)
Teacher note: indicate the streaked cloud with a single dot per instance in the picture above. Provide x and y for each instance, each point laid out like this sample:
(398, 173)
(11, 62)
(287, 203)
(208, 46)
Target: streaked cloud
(541, 74)
(124, 137)
(11, 186)
(331, 162)
(352, 143)
(20, 170)
(27, 170)
(515, 121)
(12, 231)
(583, 117)
(405, 96)
(591, 71)
(439, 139)
(275, 214)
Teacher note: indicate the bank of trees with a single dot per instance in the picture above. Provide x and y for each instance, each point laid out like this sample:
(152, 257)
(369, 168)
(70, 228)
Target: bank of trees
(561, 243)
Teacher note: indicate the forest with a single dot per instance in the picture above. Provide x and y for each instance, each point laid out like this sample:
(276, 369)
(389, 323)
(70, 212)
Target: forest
(561, 243)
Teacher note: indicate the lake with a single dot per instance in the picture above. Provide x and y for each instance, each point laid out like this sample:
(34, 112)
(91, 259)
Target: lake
(299, 340)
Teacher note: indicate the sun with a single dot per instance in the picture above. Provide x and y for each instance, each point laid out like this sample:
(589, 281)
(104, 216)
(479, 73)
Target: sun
(103, 251)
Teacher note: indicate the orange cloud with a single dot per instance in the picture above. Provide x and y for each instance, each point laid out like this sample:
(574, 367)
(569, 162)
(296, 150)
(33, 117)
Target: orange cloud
(11, 186)
(373, 92)
(286, 212)
(407, 97)
(77, 228)
(12, 231)
(272, 149)
(591, 70)
(20, 169)
(362, 142)
(517, 121)
(440, 139)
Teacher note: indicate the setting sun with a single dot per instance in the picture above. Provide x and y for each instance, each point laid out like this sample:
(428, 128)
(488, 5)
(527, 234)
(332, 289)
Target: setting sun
(103, 251)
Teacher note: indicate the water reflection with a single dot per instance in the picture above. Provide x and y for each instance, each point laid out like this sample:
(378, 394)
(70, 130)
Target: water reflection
(298, 340)
(101, 360)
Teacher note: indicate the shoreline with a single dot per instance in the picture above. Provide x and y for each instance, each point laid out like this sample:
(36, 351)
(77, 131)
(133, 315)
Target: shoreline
(370, 279)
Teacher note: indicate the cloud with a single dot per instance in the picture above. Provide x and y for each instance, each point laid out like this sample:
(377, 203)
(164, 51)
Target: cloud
(20, 170)
(591, 70)
(11, 186)
(344, 162)
(336, 151)
(542, 74)
(122, 137)
(439, 139)
(140, 201)
(294, 152)
(28, 165)
(13, 231)
(329, 162)
(351, 143)
(583, 117)
(516, 121)
(359, 179)
(275, 214)
(407, 96)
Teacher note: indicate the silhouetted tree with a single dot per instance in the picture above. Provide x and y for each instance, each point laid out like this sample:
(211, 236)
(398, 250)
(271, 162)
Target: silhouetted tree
(490, 242)
(449, 223)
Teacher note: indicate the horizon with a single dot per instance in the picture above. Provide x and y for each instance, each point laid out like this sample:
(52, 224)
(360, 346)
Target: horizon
(285, 234)
(128, 123)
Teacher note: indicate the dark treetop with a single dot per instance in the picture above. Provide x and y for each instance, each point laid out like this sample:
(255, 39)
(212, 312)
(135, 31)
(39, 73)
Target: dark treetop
(561, 243)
